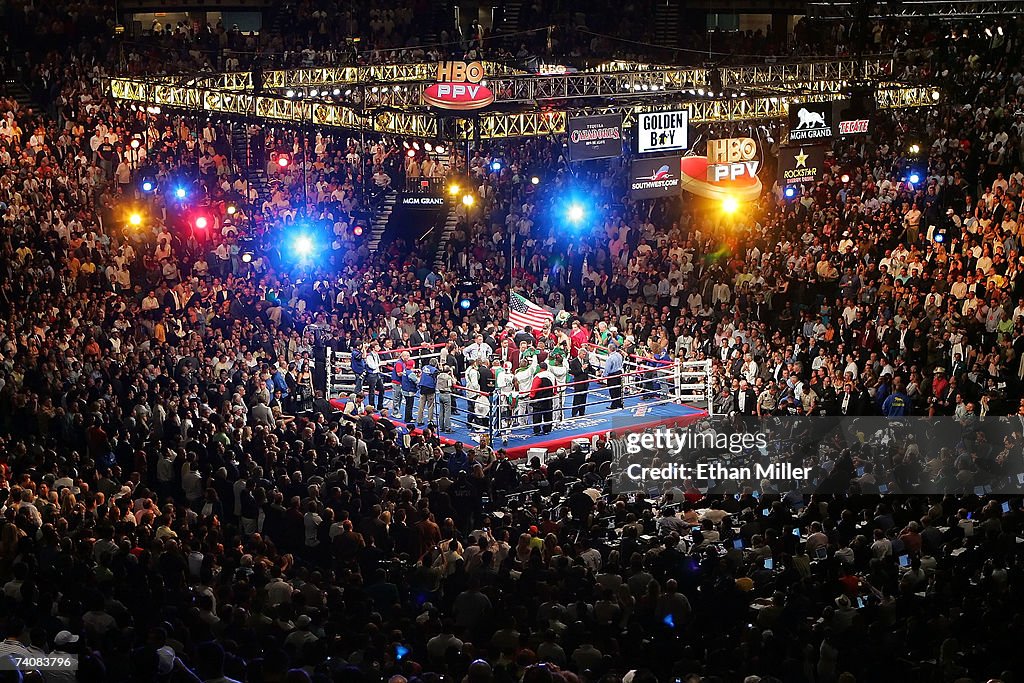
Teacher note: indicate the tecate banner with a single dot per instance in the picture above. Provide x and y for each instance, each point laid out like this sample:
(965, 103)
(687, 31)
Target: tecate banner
(595, 137)
(653, 178)
(663, 131)
(810, 122)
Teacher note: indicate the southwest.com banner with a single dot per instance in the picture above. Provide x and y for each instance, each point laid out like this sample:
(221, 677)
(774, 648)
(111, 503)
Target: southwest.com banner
(828, 455)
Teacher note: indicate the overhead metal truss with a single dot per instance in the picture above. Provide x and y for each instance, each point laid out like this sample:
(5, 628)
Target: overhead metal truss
(543, 103)
(950, 9)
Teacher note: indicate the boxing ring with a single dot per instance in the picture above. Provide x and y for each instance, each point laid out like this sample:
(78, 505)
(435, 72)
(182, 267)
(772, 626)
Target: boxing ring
(654, 393)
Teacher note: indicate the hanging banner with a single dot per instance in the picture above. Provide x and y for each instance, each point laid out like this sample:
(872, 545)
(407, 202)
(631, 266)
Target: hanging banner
(595, 137)
(810, 122)
(653, 178)
(663, 131)
(801, 164)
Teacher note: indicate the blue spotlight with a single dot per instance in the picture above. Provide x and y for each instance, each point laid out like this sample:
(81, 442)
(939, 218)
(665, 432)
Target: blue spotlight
(147, 186)
(180, 192)
(575, 213)
(465, 304)
(914, 177)
(940, 237)
(401, 651)
(789, 192)
(496, 165)
(669, 621)
(302, 245)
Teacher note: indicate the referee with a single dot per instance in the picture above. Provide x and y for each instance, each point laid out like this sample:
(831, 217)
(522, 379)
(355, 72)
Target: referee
(613, 375)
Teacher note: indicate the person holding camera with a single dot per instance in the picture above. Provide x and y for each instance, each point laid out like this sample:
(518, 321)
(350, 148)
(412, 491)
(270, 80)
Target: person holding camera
(428, 390)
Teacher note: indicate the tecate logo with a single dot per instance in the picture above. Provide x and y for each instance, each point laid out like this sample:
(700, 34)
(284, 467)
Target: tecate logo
(459, 96)
(853, 127)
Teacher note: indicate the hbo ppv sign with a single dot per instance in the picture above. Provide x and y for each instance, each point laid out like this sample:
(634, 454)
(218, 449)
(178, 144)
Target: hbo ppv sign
(458, 87)
(732, 158)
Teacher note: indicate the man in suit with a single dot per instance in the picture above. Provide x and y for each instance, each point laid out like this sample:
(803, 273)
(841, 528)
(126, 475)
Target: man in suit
(580, 370)
(420, 336)
(508, 353)
(262, 415)
(744, 401)
(542, 393)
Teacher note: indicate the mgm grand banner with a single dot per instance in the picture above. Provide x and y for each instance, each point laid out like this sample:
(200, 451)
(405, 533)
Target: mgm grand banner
(804, 164)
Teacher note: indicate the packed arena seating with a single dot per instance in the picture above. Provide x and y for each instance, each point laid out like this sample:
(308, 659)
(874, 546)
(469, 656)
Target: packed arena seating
(172, 513)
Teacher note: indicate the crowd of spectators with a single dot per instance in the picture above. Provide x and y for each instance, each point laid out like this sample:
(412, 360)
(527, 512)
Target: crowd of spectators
(171, 512)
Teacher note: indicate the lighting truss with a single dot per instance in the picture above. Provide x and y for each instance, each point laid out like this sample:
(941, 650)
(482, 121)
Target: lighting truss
(394, 106)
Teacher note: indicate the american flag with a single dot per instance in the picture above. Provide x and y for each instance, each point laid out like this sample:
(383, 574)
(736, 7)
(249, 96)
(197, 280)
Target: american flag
(523, 312)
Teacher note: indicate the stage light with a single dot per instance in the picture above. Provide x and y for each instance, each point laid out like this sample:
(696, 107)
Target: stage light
(940, 237)
(302, 246)
(730, 205)
(789, 192)
(135, 143)
(180, 192)
(999, 30)
(845, 178)
(405, 143)
(936, 95)
(988, 32)
(282, 161)
(416, 146)
(147, 186)
(465, 304)
(535, 180)
(201, 222)
(427, 146)
(336, 92)
(410, 153)
(289, 94)
(575, 213)
(669, 621)
(439, 149)
(231, 209)
(246, 257)
(468, 200)
(454, 189)
(401, 651)
(135, 218)
(314, 92)
(914, 148)
(496, 166)
(914, 178)
(348, 92)
(357, 231)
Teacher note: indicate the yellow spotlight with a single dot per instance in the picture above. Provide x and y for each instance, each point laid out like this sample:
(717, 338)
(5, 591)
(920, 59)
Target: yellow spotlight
(468, 199)
(231, 209)
(453, 189)
(730, 205)
(915, 148)
(135, 218)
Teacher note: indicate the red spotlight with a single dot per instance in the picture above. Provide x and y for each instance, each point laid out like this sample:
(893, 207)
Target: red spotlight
(358, 230)
(201, 222)
(282, 161)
